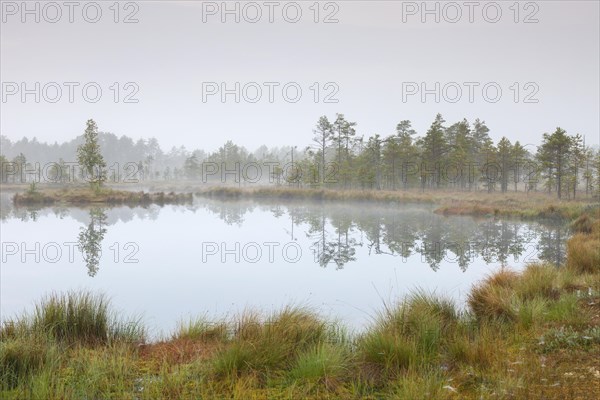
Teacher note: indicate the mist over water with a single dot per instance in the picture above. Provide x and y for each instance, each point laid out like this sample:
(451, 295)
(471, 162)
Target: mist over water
(217, 258)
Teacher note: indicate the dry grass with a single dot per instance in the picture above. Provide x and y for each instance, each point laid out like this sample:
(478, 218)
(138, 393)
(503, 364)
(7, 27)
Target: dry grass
(491, 299)
(583, 253)
(476, 203)
(81, 196)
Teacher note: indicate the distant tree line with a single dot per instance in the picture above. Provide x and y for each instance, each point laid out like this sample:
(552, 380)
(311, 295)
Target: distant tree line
(458, 156)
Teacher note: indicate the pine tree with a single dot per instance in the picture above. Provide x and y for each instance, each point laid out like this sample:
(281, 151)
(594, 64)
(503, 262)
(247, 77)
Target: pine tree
(89, 157)
(554, 154)
(519, 157)
(323, 133)
(504, 159)
(435, 147)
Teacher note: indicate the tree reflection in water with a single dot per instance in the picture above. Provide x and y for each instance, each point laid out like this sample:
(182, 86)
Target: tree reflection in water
(336, 232)
(90, 240)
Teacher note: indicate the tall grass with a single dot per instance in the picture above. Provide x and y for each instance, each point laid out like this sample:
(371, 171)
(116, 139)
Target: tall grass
(75, 318)
(538, 280)
(407, 335)
(491, 299)
(22, 357)
(271, 344)
(583, 253)
(474, 345)
(72, 317)
(325, 364)
(201, 329)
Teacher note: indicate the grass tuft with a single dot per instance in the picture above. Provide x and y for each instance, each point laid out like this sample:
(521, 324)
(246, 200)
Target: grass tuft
(538, 280)
(201, 329)
(583, 253)
(323, 363)
(491, 299)
(75, 318)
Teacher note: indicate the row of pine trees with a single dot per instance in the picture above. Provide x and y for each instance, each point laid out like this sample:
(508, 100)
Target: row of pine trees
(458, 156)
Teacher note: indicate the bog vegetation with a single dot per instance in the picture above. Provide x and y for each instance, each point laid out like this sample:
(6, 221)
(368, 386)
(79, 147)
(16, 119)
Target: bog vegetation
(534, 334)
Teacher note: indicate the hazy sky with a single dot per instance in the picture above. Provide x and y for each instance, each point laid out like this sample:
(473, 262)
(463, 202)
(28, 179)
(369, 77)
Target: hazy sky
(373, 56)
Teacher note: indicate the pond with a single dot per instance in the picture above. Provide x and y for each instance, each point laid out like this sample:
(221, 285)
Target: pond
(216, 258)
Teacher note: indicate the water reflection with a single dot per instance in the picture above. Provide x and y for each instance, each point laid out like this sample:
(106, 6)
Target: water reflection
(335, 231)
(90, 239)
(402, 231)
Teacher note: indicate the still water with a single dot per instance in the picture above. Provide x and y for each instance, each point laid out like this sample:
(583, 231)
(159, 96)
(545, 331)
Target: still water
(215, 259)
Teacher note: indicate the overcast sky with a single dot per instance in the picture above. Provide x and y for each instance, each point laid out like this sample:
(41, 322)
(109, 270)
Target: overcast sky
(371, 61)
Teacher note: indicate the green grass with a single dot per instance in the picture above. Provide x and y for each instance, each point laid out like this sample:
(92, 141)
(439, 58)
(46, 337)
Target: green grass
(422, 385)
(538, 280)
(201, 329)
(385, 355)
(74, 318)
(322, 363)
(421, 346)
(566, 311)
(268, 345)
(22, 357)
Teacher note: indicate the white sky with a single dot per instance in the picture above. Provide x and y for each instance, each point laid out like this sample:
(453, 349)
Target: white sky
(368, 54)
